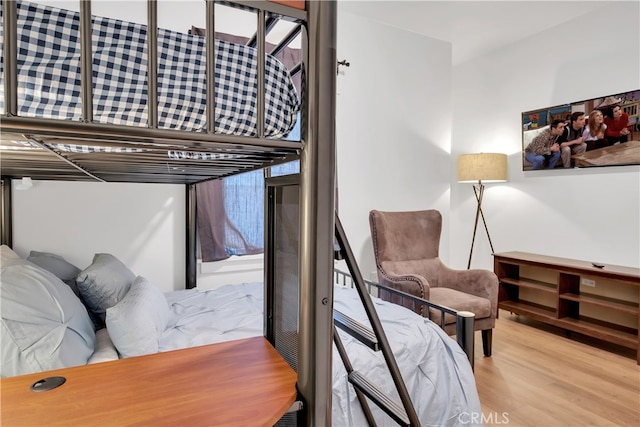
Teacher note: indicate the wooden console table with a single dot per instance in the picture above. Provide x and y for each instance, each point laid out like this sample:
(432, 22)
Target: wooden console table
(572, 294)
(236, 383)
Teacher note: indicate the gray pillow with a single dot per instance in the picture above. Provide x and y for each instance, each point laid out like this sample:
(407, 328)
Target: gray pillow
(44, 325)
(66, 272)
(57, 265)
(136, 323)
(104, 283)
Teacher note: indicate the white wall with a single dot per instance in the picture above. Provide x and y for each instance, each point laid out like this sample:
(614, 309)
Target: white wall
(393, 126)
(591, 214)
(141, 224)
(234, 270)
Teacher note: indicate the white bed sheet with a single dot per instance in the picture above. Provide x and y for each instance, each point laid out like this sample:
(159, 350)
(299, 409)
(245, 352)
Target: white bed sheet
(228, 313)
(436, 371)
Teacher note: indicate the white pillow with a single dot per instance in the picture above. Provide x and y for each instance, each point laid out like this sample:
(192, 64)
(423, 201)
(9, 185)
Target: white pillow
(136, 322)
(6, 253)
(105, 351)
(104, 283)
(44, 325)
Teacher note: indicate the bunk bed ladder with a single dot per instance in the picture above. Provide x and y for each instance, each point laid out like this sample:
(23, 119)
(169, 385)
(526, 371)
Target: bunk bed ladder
(375, 339)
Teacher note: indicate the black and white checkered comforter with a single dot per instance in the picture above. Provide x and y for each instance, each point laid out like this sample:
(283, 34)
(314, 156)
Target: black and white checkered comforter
(49, 76)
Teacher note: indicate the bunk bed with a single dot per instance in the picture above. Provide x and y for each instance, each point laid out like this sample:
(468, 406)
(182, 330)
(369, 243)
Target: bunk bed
(51, 132)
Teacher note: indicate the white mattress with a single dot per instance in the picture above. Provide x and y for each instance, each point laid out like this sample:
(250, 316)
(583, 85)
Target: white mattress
(436, 371)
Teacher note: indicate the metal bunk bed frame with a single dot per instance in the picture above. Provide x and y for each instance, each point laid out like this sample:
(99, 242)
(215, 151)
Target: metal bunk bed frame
(316, 152)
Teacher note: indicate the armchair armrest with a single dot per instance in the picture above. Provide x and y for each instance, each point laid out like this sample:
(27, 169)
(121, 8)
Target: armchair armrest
(411, 284)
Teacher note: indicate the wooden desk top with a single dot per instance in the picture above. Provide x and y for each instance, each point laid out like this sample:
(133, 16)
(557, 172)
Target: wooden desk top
(237, 383)
(626, 153)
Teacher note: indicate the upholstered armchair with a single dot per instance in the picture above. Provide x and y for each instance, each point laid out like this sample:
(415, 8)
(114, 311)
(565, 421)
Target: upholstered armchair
(406, 248)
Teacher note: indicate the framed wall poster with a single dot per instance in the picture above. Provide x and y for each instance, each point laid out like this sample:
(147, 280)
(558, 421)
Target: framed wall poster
(613, 119)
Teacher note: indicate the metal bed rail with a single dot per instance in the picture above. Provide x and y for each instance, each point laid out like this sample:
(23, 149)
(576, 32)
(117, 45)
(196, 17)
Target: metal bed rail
(404, 413)
(464, 320)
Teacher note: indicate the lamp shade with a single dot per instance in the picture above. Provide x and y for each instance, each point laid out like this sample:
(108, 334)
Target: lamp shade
(485, 167)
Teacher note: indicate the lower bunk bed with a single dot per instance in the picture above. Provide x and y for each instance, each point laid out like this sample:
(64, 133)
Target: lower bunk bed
(46, 324)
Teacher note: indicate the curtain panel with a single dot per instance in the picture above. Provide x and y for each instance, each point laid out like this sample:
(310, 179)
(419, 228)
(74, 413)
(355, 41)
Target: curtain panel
(219, 236)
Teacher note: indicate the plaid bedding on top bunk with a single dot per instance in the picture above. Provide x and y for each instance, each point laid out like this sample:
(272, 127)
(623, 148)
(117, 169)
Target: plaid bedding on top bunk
(49, 76)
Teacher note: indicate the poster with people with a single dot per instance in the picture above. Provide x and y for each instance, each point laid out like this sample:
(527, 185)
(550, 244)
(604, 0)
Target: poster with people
(602, 131)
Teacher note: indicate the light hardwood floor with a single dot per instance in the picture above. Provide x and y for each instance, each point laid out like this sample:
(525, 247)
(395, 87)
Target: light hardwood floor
(537, 376)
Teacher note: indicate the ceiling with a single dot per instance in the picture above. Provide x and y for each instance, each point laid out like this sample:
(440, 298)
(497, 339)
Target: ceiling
(474, 28)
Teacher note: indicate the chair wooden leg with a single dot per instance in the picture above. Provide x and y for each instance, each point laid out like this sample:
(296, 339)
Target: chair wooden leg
(487, 334)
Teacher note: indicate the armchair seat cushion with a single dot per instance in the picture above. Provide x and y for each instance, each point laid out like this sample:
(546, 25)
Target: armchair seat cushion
(460, 301)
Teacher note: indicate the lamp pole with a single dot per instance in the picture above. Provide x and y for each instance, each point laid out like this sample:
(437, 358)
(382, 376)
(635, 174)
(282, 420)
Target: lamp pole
(478, 190)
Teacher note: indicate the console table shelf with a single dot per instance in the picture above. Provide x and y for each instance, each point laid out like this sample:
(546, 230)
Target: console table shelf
(625, 306)
(534, 311)
(533, 284)
(572, 294)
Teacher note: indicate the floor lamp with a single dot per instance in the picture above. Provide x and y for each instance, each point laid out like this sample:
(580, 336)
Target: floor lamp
(478, 169)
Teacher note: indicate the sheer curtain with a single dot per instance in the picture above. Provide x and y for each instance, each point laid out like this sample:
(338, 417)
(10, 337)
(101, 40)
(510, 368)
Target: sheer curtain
(230, 213)
(219, 236)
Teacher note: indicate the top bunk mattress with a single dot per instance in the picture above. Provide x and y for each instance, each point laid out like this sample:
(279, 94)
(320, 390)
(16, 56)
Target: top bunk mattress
(49, 86)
